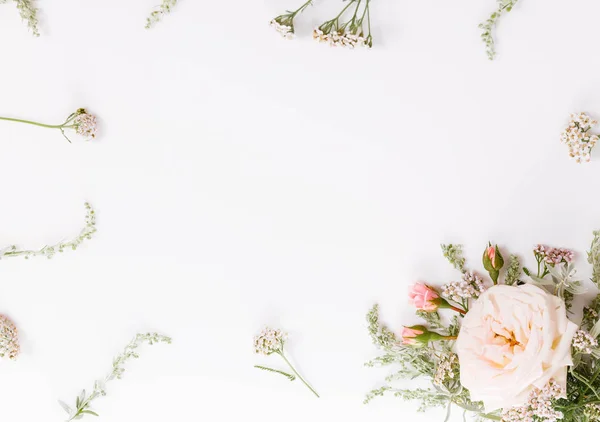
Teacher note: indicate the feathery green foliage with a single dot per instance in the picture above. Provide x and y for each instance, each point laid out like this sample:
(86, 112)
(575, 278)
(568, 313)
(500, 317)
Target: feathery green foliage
(28, 13)
(453, 253)
(50, 250)
(83, 401)
(488, 26)
(160, 12)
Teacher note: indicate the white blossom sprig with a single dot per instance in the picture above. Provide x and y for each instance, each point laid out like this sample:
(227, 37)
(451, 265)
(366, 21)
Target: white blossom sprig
(488, 26)
(50, 250)
(28, 13)
(160, 12)
(284, 23)
(351, 33)
(83, 401)
(9, 338)
(82, 122)
(578, 138)
(271, 341)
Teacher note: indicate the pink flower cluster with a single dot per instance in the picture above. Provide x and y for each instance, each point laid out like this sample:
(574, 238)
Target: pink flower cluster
(554, 255)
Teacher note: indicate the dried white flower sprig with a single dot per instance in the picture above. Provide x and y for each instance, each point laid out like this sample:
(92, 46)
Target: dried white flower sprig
(50, 250)
(162, 10)
(28, 13)
(9, 338)
(488, 26)
(83, 123)
(83, 402)
(578, 138)
(284, 24)
(350, 33)
(271, 341)
(350, 28)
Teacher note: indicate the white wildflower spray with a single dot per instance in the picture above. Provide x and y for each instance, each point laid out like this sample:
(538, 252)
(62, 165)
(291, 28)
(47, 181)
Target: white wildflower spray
(284, 23)
(578, 138)
(351, 33)
(271, 341)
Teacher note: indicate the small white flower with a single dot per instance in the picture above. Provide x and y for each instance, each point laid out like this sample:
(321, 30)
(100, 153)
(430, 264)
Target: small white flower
(269, 341)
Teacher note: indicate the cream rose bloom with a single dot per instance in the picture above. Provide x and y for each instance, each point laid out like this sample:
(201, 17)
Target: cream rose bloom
(512, 340)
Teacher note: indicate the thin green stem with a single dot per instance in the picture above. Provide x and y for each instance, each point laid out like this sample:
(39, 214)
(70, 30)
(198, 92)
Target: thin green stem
(301, 8)
(297, 374)
(29, 122)
(586, 382)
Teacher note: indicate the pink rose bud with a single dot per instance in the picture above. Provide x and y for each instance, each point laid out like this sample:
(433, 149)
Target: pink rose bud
(493, 261)
(410, 335)
(418, 335)
(423, 297)
(491, 253)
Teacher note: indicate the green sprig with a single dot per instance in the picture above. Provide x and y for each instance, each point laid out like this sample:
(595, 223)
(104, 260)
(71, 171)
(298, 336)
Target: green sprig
(84, 401)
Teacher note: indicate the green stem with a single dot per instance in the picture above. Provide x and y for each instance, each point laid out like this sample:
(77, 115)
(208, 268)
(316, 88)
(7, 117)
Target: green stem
(297, 374)
(29, 122)
(301, 8)
(586, 382)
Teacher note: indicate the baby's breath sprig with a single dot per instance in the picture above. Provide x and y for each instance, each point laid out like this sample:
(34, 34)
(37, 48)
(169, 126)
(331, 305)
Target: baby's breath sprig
(50, 250)
(28, 13)
(284, 23)
(271, 341)
(350, 33)
(488, 26)
(83, 123)
(83, 401)
(160, 12)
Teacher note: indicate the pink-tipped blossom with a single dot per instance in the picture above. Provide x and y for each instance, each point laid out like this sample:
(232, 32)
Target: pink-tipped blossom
(423, 297)
(410, 334)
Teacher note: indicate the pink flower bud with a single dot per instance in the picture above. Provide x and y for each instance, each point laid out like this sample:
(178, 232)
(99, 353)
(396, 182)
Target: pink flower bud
(491, 253)
(423, 297)
(409, 335)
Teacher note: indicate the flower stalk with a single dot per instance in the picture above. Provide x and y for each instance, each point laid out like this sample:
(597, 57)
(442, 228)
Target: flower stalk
(271, 341)
(80, 121)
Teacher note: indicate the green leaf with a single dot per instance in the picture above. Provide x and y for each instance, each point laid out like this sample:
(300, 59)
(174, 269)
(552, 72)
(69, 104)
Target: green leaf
(89, 412)
(65, 406)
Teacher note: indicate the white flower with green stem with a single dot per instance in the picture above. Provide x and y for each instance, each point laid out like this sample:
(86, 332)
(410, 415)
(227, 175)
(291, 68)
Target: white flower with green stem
(284, 23)
(81, 122)
(351, 33)
(271, 341)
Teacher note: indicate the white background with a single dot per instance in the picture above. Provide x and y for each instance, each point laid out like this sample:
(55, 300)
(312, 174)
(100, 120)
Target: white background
(242, 180)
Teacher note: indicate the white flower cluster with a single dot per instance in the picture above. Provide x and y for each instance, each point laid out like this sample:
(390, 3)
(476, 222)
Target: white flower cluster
(86, 125)
(577, 138)
(447, 370)
(554, 256)
(286, 31)
(471, 286)
(583, 342)
(9, 338)
(340, 39)
(269, 341)
(539, 407)
(592, 411)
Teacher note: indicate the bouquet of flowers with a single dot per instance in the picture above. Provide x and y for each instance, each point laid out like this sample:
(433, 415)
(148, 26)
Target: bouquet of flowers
(511, 352)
